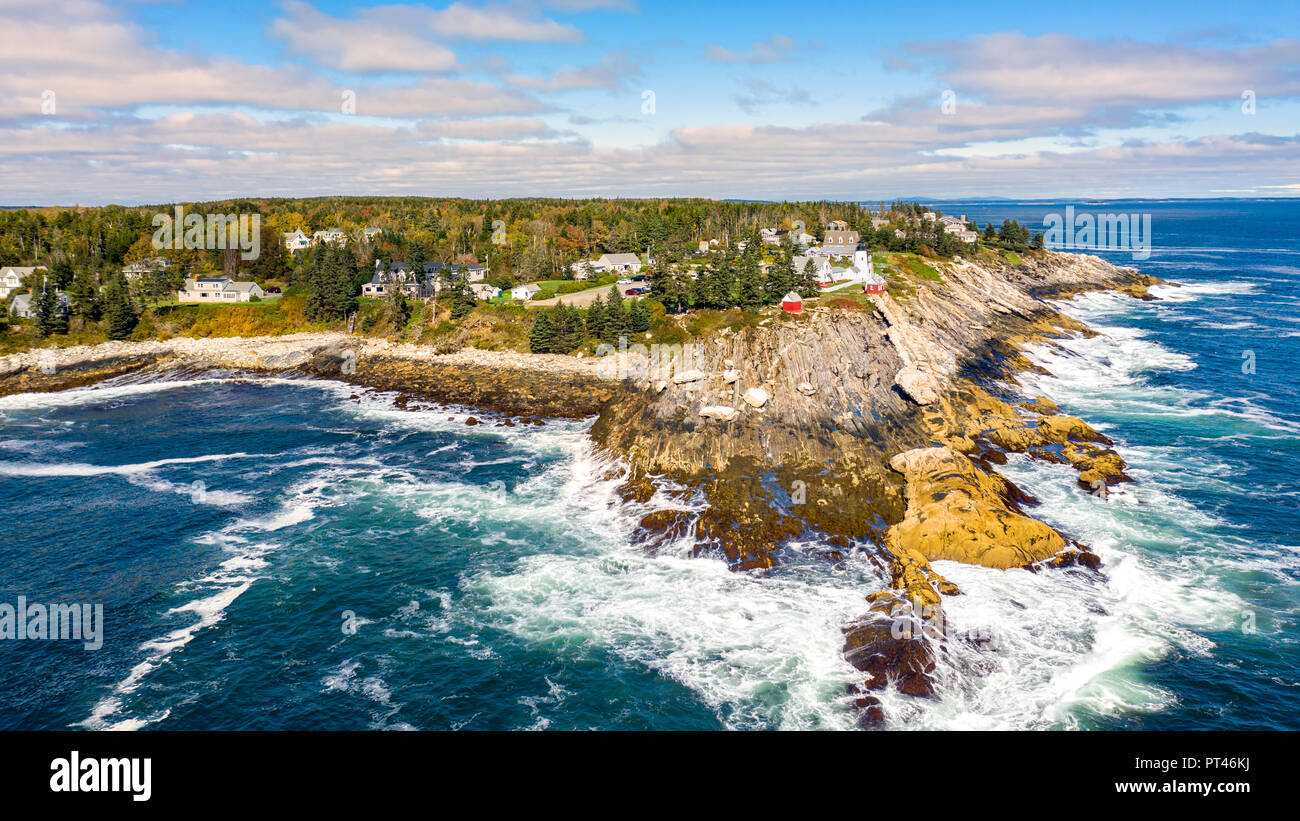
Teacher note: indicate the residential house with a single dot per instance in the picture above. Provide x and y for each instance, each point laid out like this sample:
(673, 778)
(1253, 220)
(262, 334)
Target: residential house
(837, 225)
(22, 305)
(296, 241)
(484, 291)
(839, 243)
(330, 236)
(773, 236)
(620, 263)
(821, 265)
(143, 268)
(525, 292)
(371, 233)
(219, 289)
(11, 278)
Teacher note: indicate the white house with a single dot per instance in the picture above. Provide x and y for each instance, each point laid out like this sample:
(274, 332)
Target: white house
(330, 236)
(296, 241)
(370, 233)
(821, 265)
(144, 267)
(484, 291)
(12, 277)
(218, 289)
(622, 263)
(525, 292)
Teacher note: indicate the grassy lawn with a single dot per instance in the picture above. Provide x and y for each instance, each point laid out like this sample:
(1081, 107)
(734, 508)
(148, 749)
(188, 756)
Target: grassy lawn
(1013, 258)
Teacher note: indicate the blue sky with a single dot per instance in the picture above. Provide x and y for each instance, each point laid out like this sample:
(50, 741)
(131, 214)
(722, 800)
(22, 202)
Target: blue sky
(165, 99)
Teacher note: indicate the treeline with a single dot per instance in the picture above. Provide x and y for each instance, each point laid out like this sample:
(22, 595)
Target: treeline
(562, 328)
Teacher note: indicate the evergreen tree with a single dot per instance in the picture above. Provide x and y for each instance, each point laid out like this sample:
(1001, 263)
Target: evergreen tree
(596, 319)
(399, 307)
(751, 293)
(462, 298)
(47, 308)
(272, 262)
(615, 316)
(806, 281)
(540, 338)
(780, 279)
(674, 289)
(638, 317)
(119, 314)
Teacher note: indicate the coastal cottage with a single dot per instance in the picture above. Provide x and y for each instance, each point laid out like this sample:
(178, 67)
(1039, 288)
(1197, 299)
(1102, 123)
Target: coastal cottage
(792, 303)
(368, 234)
(218, 289)
(296, 241)
(11, 278)
(525, 292)
(484, 291)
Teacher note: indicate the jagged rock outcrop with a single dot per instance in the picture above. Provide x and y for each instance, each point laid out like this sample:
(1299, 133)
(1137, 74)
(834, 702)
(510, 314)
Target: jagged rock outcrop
(957, 511)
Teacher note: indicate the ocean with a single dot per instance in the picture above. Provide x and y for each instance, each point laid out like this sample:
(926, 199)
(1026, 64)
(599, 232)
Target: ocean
(299, 554)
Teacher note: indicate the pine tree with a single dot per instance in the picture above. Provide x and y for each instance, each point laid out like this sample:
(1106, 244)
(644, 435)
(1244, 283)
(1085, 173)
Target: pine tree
(540, 338)
(399, 307)
(806, 281)
(750, 283)
(47, 308)
(615, 316)
(596, 319)
(638, 317)
(462, 299)
(780, 279)
(119, 314)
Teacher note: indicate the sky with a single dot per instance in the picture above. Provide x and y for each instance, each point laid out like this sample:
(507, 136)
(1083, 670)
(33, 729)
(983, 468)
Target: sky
(151, 101)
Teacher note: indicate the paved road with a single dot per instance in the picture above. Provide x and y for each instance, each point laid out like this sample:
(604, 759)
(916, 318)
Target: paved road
(581, 299)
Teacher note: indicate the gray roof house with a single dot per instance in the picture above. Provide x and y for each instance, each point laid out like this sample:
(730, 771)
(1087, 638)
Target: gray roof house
(21, 306)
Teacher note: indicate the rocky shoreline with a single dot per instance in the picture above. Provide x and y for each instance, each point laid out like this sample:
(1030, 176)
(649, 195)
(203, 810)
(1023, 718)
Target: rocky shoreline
(876, 429)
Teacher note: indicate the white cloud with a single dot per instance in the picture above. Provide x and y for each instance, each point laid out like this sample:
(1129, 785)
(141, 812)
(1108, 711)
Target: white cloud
(358, 45)
(611, 73)
(500, 22)
(774, 50)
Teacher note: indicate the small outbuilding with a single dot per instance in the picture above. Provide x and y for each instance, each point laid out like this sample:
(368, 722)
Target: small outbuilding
(873, 283)
(792, 302)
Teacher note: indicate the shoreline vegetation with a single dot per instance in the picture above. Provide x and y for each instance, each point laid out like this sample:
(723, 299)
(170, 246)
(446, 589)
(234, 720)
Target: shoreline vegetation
(873, 423)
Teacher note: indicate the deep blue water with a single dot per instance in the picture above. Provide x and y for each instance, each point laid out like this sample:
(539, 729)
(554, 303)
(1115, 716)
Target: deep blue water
(494, 586)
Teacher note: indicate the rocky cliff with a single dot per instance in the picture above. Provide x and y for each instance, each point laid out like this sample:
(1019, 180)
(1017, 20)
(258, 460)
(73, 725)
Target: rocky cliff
(876, 426)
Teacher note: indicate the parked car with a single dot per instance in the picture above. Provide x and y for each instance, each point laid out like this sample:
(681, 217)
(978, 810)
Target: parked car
(625, 282)
(636, 291)
(274, 289)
